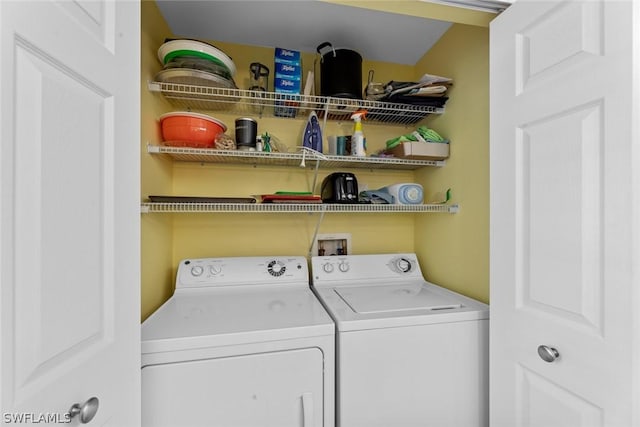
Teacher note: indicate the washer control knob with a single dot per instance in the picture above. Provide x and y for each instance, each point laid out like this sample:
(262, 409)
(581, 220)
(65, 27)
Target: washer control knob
(343, 266)
(197, 270)
(215, 270)
(403, 265)
(327, 267)
(276, 268)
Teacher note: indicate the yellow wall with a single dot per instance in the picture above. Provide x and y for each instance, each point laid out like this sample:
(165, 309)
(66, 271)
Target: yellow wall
(280, 234)
(452, 248)
(156, 230)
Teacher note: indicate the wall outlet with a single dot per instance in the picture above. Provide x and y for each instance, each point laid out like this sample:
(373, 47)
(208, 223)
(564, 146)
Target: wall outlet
(332, 244)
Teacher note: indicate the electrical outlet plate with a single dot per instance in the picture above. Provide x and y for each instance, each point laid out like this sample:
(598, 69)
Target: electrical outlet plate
(332, 244)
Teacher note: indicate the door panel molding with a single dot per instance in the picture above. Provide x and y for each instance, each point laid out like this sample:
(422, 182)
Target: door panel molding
(556, 155)
(96, 18)
(56, 210)
(546, 403)
(563, 37)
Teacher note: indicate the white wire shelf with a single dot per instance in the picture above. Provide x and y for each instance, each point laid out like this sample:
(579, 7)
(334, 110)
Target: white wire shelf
(159, 207)
(208, 155)
(241, 101)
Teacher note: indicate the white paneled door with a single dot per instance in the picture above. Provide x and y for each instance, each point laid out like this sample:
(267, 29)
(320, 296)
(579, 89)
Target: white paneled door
(69, 212)
(564, 214)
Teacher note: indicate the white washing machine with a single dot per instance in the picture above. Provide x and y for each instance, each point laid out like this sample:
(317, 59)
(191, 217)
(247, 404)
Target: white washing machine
(243, 342)
(409, 353)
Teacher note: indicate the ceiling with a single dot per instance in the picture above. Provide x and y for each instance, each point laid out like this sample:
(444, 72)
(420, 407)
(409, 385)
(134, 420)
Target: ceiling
(304, 24)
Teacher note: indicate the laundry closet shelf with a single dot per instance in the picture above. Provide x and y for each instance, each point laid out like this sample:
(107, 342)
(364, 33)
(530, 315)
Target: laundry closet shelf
(159, 207)
(243, 102)
(207, 155)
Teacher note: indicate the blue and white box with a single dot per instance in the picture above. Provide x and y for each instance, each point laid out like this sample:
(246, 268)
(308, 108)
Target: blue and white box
(287, 56)
(287, 79)
(288, 71)
(287, 85)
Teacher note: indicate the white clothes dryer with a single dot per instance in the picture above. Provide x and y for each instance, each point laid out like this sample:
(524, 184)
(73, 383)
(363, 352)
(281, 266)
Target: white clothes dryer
(409, 353)
(243, 342)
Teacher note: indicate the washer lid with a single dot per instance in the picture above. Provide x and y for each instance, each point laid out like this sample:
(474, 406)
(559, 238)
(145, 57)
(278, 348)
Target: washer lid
(212, 318)
(392, 298)
(410, 303)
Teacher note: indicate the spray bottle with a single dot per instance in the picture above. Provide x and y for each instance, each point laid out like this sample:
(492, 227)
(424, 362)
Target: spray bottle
(357, 140)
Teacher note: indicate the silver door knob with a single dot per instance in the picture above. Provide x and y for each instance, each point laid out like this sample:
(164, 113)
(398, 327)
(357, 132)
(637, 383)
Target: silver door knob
(86, 411)
(548, 354)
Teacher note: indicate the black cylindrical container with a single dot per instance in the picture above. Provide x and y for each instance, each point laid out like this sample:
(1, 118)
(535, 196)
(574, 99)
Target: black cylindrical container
(340, 72)
(246, 133)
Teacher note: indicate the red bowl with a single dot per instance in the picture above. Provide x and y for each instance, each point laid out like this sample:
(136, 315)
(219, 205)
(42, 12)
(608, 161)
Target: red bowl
(185, 129)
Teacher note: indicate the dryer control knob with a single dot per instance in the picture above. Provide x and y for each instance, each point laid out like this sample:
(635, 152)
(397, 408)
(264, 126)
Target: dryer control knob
(343, 266)
(276, 268)
(327, 267)
(404, 265)
(197, 270)
(215, 270)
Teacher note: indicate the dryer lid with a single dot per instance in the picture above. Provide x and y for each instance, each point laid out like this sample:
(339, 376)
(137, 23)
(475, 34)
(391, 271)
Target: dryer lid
(398, 297)
(205, 318)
